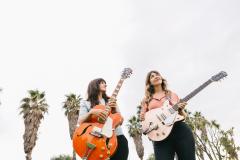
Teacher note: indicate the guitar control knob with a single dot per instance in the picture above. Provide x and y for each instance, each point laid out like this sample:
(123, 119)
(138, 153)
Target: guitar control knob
(102, 148)
(100, 156)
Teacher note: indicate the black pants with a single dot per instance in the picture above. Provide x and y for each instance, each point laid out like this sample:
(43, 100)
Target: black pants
(122, 149)
(180, 141)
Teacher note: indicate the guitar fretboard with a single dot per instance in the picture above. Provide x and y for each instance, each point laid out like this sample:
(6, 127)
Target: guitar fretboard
(116, 91)
(193, 93)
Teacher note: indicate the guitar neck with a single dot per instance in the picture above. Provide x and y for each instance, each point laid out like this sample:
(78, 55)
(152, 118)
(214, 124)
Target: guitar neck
(115, 93)
(117, 89)
(194, 92)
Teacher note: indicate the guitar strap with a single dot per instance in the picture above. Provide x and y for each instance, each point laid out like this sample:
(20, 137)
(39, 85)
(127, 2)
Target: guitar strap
(168, 97)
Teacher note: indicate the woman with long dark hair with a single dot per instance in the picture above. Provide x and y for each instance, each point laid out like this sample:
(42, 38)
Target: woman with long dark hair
(96, 94)
(180, 140)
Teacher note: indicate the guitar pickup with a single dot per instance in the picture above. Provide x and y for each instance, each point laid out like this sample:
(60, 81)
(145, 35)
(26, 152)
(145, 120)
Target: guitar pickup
(150, 129)
(158, 118)
(96, 134)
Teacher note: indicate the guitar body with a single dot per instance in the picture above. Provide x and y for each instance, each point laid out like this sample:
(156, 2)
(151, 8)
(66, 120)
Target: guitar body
(159, 122)
(94, 140)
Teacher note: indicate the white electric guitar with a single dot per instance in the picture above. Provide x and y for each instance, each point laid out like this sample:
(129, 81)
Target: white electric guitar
(159, 122)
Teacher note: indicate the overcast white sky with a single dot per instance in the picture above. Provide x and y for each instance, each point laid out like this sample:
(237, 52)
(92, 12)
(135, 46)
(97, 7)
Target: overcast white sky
(59, 46)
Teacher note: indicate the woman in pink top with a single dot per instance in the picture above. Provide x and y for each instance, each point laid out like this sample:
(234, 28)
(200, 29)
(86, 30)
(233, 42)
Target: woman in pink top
(180, 140)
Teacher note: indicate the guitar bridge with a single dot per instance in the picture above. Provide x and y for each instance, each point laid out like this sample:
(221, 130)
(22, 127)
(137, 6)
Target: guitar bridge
(150, 129)
(97, 132)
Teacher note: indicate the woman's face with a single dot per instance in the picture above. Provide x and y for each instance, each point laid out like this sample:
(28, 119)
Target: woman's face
(102, 86)
(155, 79)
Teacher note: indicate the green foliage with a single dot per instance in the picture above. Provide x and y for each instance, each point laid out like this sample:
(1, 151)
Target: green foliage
(72, 104)
(62, 157)
(212, 142)
(134, 125)
(151, 157)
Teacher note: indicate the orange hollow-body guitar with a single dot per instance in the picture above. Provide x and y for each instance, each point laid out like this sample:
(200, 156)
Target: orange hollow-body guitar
(89, 144)
(95, 140)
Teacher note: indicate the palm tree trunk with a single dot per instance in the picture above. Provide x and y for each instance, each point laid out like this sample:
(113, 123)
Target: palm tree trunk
(72, 120)
(139, 146)
(28, 156)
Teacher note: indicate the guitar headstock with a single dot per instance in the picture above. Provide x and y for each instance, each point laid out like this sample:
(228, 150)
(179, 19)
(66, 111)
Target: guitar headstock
(126, 73)
(219, 76)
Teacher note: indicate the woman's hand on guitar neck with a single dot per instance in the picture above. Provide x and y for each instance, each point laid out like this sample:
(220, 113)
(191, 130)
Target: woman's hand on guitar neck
(182, 105)
(113, 104)
(99, 113)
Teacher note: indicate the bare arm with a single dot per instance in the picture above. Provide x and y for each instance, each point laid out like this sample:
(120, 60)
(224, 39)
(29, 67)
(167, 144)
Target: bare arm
(181, 105)
(84, 117)
(85, 114)
(143, 109)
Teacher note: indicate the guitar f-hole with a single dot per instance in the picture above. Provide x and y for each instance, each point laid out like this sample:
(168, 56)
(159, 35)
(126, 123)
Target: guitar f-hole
(85, 129)
(107, 142)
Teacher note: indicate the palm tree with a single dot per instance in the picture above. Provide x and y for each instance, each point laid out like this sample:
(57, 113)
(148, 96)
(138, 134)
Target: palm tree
(33, 109)
(212, 142)
(72, 106)
(134, 130)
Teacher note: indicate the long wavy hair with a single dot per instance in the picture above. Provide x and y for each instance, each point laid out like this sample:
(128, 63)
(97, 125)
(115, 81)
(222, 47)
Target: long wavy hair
(94, 90)
(149, 88)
